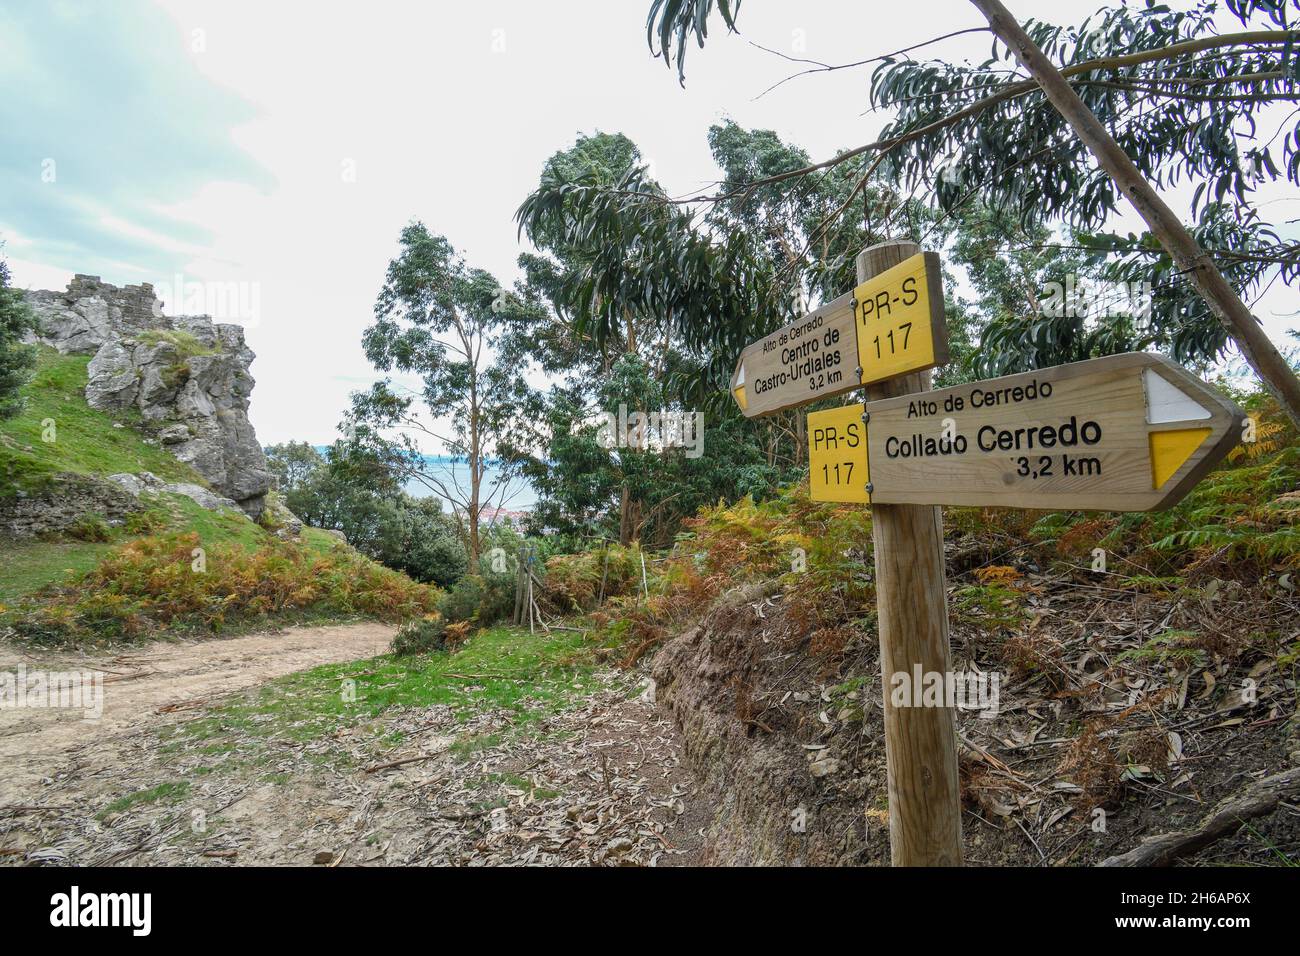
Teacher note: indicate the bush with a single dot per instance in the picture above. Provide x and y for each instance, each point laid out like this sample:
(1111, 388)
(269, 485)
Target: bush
(423, 636)
(90, 527)
(149, 521)
(462, 602)
(573, 581)
(405, 533)
(157, 584)
(16, 359)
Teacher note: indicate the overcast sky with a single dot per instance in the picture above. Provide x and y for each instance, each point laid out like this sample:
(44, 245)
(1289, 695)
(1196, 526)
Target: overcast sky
(284, 145)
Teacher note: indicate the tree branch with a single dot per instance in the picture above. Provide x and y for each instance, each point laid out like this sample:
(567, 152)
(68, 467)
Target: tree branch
(827, 68)
(1008, 92)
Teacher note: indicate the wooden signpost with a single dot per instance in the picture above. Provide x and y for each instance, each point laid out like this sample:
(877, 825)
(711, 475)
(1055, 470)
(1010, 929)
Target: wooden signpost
(886, 327)
(1123, 433)
(1128, 432)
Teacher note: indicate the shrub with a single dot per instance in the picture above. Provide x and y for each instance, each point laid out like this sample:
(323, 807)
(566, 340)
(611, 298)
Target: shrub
(457, 633)
(90, 527)
(149, 521)
(422, 636)
(573, 581)
(405, 533)
(496, 596)
(16, 359)
(153, 584)
(462, 602)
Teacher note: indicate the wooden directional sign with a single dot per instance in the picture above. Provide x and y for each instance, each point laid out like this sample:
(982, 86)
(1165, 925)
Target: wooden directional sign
(1130, 432)
(888, 326)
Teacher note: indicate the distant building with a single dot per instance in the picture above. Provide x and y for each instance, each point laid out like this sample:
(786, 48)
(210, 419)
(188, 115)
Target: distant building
(495, 515)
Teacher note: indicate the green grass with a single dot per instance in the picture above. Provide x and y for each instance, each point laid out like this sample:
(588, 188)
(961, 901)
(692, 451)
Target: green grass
(214, 527)
(85, 440)
(164, 791)
(504, 668)
(32, 564)
(319, 540)
(186, 343)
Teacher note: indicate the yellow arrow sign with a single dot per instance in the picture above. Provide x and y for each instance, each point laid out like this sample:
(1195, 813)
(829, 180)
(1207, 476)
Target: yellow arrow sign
(1128, 432)
(888, 326)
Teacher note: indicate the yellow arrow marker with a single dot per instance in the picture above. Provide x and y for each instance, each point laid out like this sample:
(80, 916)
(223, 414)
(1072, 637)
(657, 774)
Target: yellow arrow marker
(1169, 450)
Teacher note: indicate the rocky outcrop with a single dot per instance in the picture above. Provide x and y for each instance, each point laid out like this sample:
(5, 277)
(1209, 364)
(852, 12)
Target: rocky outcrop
(63, 503)
(148, 483)
(278, 519)
(187, 377)
(91, 313)
(66, 501)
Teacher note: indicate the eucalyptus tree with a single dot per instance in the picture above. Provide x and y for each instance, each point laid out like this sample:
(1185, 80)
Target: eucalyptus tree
(629, 272)
(1183, 100)
(647, 303)
(444, 322)
(292, 463)
(629, 269)
(652, 298)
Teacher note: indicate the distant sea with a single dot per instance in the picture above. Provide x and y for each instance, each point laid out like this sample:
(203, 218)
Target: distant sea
(520, 497)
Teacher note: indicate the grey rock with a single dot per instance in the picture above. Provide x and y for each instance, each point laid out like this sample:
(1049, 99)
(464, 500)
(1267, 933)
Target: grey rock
(66, 500)
(174, 434)
(278, 519)
(200, 496)
(128, 483)
(136, 485)
(91, 312)
(823, 767)
(191, 387)
(113, 380)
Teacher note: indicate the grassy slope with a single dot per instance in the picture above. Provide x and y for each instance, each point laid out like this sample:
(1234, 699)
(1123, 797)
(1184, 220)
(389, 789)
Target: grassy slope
(30, 564)
(87, 442)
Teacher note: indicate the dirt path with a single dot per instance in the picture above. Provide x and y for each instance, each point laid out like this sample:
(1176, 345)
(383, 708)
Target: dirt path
(34, 742)
(154, 780)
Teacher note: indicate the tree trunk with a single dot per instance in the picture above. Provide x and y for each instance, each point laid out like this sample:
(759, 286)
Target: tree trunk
(631, 331)
(624, 516)
(1222, 299)
(800, 439)
(475, 472)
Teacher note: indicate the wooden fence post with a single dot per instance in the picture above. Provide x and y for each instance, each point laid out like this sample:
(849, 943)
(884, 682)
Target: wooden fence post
(912, 615)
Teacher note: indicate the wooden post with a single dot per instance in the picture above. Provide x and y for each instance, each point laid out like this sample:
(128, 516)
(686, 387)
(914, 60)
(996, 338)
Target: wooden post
(912, 616)
(517, 617)
(532, 605)
(604, 574)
